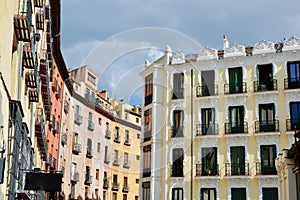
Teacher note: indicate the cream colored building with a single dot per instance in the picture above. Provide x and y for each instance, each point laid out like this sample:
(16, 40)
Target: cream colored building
(215, 121)
(100, 142)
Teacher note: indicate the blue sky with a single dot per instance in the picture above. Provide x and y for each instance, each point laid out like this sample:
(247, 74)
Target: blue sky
(115, 37)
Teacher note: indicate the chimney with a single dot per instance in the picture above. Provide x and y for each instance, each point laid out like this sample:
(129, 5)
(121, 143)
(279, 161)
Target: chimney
(225, 42)
(103, 94)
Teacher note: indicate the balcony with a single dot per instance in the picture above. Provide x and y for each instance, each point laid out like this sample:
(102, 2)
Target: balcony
(105, 183)
(91, 126)
(39, 20)
(64, 138)
(117, 138)
(208, 90)
(177, 94)
(115, 186)
(147, 135)
(176, 170)
(53, 164)
(126, 164)
(30, 79)
(106, 159)
(269, 86)
(293, 124)
(66, 106)
(266, 126)
(89, 152)
(92, 99)
(125, 188)
(22, 28)
(265, 169)
(235, 88)
(28, 59)
(107, 134)
(291, 83)
(201, 171)
(33, 96)
(236, 169)
(117, 162)
(207, 129)
(127, 142)
(146, 172)
(76, 148)
(88, 179)
(78, 119)
(236, 128)
(75, 177)
(148, 99)
(177, 131)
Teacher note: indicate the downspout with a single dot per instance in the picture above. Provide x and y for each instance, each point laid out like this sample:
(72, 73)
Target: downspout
(192, 136)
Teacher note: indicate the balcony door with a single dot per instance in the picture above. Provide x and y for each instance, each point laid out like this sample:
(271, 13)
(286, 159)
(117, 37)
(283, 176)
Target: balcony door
(295, 114)
(294, 74)
(267, 117)
(207, 82)
(209, 161)
(265, 77)
(177, 167)
(236, 119)
(208, 121)
(235, 80)
(268, 155)
(178, 123)
(237, 158)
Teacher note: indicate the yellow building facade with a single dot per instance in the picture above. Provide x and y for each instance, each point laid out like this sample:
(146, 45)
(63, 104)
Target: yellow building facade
(214, 122)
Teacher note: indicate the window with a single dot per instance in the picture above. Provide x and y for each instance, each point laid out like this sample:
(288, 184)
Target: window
(126, 136)
(270, 193)
(114, 196)
(89, 148)
(265, 78)
(207, 83)
(78, 117)
(178, 86)
(137, 181)
(293, 74)
(137, 157)
(208, 194)
(236, 119)
(137, 120)
(237, 157)
(208, 121)
(117, 135)
(126, 116)
(177, 166)
(100, 121)
(148, 89)
(124, 196)
(138, 136)
(98, 147)
(235, 80)
(106, 155)
(177, 194)
(238, 193)
(177, 130)
(147, 161)
(116, 157)
(91, 78)
(295, 114)
(90, 122)
(267, 117)
(209, 161)
(72, 190)
(97, 174)
(136, 197)
(104, 195)
(126, 163)
(146, 191)
(147, 125)
(268, 156)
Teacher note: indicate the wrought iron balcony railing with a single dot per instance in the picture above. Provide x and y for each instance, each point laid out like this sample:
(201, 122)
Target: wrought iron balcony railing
(208, 90)
(236, 128)
(233, 169)
(207, 129)
(265, 168)
(267, 126)
(292, 83)
(262, 87)
(201, 170)
(292, 124)
(76, 148)
(235, 88)
(177, 131)
(176, 170)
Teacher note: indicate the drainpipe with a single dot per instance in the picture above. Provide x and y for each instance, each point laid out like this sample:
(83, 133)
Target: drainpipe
(192, 136)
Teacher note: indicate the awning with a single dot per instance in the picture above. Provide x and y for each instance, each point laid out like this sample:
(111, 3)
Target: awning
(38, 3)
(28, 58)
(22, 29)
(33, 95)
(39, 20)
(30, 80)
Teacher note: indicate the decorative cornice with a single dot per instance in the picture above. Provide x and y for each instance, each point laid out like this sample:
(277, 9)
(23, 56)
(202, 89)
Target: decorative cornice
(207, 54)
(263, 47)
(291, 44)
(234, 50)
